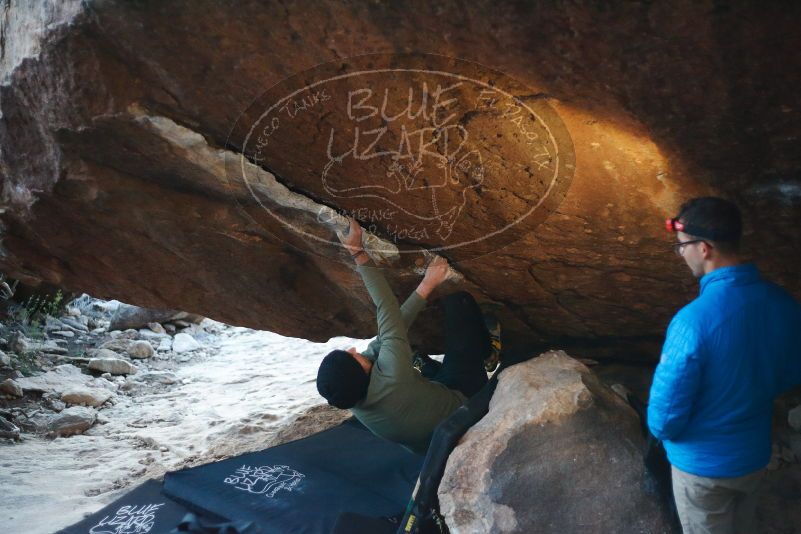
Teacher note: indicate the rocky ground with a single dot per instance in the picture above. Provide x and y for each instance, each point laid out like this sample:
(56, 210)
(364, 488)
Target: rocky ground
(87, 417)
(93, 404)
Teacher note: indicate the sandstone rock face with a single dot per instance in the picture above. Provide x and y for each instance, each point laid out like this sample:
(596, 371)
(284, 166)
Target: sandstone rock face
(177, 155)
(557, 452)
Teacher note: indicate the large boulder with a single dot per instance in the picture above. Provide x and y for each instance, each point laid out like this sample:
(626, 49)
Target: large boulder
(557, 452)
(130, 316)
(63, 378)
(139, 167)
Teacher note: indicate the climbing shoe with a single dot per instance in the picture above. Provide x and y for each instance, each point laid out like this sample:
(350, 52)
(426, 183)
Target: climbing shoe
(494, 329)
(419, 360)
(424, 363)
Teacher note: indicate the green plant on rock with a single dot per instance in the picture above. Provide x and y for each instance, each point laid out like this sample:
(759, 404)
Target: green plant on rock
(32, 316)
(25, 362)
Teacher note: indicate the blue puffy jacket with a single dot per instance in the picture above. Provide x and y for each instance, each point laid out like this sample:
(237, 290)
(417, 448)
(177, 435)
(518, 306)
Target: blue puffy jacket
(727, 355)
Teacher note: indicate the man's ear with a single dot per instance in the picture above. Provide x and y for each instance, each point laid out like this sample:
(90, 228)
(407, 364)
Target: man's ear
(706, 250)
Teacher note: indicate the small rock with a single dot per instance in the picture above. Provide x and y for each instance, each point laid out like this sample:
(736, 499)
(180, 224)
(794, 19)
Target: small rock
(78, 325)
(159, 377)
(63, 333)
(5, 359)
(156, 327)
(146, 333)
(107, 376)
(20, 344)
(114, 366)
(169, 327)
(163, 448)
(126, 334)
(181, 323)
(57, 405)
(51, 323)
(131, 385)
(119, 345)
(794, 418)
(73, 311)
(8, 429)
(184, 343)
(10, 387)
(140, 350)
(74, 420)
(52, 348)
(164, 345)
(86, 396)
(104, 353)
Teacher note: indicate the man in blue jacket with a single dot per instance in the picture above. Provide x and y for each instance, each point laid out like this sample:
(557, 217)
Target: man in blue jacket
(726, 356)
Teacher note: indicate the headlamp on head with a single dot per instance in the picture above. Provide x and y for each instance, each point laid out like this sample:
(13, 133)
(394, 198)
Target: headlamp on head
(674, 225)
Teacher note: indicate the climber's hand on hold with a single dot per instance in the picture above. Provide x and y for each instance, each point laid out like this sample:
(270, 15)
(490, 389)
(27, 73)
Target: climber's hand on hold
(353, 239)
(436, 273)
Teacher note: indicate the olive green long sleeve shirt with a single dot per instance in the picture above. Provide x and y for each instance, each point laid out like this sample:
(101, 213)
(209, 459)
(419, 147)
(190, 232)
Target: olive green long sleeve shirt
(401, 405)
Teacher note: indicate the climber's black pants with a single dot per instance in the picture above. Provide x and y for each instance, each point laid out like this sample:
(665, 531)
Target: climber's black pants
(467, 344)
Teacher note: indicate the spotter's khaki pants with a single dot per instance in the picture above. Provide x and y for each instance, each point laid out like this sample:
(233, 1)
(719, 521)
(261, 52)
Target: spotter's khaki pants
(717, 505)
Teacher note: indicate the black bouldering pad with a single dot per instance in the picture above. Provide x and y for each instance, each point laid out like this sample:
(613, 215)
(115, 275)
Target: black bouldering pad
(143, 510)
(303, 486)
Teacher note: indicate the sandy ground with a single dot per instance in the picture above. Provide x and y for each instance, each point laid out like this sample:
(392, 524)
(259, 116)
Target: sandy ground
(229, 403)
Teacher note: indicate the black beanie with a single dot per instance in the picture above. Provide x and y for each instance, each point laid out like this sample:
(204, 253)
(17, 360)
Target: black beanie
(341, 380)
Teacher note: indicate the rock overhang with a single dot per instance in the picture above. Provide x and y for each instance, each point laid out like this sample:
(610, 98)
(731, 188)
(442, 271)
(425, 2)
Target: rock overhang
(115, 172)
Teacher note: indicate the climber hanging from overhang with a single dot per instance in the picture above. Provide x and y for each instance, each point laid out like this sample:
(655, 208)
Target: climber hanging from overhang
(380, 385)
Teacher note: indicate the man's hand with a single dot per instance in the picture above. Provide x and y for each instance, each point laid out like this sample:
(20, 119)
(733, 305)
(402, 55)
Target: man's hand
(353, 242)
(436, 273)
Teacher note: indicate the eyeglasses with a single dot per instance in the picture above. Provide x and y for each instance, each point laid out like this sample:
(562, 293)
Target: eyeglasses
(678, 248)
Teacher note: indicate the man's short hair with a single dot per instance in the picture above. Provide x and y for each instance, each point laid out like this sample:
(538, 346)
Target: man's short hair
(715, 219)
(341, 380)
